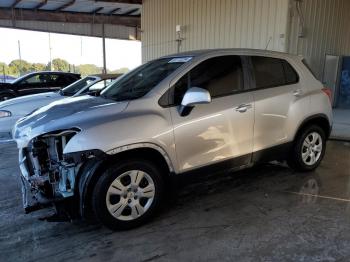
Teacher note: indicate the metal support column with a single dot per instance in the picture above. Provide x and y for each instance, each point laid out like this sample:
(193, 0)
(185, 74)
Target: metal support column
(104, 49)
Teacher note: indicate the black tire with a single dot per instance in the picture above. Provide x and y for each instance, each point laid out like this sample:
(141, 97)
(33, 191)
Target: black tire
(99, 202)
(6, 96)
(295, 160)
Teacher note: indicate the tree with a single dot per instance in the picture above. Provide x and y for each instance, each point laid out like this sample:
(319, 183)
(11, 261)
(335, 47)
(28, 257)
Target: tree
(122, 70)
(88, 69)
(37, 67)
(4, 69)
(59, 64)
(19, 67)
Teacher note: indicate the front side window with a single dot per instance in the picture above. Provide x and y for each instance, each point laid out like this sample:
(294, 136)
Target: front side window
(221, 76)
(37, 79)
(272, 72)
(143, 79)
(100, 85)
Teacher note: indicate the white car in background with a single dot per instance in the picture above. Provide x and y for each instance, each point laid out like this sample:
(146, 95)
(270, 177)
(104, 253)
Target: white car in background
(16, 108)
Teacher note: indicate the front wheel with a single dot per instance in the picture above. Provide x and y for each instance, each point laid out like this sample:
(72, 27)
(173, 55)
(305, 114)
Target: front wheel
(308, 149)
(128, 194)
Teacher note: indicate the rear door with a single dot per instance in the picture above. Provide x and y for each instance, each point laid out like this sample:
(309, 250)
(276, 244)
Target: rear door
(221, 130)
(276, 89)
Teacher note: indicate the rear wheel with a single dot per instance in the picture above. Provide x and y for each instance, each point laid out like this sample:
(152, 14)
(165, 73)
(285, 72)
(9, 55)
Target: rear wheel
(128, 194)
(308, 149)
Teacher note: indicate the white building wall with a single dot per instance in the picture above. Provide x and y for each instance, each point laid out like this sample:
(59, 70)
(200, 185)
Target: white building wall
(207, 24)
(271, 24)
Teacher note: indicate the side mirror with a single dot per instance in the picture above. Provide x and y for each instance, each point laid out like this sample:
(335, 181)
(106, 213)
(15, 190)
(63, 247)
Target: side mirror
(194, 96)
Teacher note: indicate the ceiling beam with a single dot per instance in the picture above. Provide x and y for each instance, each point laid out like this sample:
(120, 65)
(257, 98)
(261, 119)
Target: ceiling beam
(64, 6)
(40, 4)
(131, 11)
(68, 17)
(15, 3)
(113, 11)
(136, 2)
(98, 9)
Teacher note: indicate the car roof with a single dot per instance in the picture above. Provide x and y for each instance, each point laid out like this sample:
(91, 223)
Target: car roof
(106, 76)
(53, 72)
(238, 51)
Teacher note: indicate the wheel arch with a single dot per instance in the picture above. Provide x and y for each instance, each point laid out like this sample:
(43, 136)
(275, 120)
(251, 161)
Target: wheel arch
(92, 170)
(318, 119)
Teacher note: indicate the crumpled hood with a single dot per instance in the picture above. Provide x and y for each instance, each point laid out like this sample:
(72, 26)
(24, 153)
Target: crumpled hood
(75, 112)
(29, 98)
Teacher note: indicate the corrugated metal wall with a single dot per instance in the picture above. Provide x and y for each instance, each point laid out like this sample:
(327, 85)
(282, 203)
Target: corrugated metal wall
(213, 24)
(326, 25)
(345, 44)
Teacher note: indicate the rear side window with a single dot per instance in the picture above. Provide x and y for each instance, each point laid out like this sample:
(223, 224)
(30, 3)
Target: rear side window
(221, 76)
(309, 68)
(290, 74)
(272, 72)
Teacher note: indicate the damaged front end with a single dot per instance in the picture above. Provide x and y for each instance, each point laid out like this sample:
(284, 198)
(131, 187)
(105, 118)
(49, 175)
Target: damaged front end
(48, 177)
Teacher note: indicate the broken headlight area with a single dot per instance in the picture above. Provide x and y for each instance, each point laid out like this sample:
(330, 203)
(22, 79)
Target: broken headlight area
(51, 178)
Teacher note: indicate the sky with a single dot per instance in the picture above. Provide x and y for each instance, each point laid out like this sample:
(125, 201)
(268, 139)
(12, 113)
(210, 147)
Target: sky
(75, 49)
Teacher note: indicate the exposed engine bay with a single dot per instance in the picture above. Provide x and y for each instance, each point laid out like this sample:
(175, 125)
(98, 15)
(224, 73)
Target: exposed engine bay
(51, 177)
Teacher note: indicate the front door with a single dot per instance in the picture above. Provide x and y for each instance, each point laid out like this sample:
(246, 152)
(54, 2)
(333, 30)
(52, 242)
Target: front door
(218, 131)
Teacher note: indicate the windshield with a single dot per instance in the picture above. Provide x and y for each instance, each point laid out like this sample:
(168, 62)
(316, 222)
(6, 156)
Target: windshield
(143, 79)
(77, 86)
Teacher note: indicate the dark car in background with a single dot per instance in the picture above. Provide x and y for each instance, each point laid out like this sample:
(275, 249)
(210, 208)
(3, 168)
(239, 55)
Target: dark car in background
(6, 79)
(38, 82)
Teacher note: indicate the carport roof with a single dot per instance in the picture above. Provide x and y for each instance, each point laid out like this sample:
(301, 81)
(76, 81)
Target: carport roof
(122, 12)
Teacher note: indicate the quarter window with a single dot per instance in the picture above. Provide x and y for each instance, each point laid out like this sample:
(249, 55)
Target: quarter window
(221, 76)
(291, 76)
(271, 72)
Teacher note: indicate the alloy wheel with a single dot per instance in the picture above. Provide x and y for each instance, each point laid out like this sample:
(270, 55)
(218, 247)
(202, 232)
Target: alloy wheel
(311, 149)
(130, 195)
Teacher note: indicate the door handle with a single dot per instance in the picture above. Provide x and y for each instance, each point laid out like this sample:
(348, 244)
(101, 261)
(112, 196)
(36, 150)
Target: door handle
(297, 92)
(243, 108)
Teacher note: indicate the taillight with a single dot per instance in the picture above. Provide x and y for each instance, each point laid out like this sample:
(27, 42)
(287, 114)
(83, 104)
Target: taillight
(328, 92)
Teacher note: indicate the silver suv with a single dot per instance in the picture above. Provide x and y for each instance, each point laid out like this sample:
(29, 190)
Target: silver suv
(114, 155)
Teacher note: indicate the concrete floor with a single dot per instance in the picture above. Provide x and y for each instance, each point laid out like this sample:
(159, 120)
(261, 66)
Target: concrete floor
(267, 213)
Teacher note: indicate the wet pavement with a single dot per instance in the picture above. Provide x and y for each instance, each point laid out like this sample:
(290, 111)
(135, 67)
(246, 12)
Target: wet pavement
(268, 213)
(341, 124)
